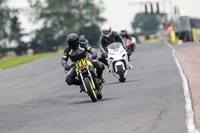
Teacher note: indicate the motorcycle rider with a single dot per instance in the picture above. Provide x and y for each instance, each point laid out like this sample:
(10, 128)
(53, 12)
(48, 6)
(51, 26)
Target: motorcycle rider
(124, 34)
(76, 50)
(108, 36)
(83, 39)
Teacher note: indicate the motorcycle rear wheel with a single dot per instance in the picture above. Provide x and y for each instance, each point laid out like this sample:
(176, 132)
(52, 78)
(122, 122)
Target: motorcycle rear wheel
(90, 89)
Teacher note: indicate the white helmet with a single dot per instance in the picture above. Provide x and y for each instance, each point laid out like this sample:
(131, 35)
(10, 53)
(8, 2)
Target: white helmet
(123, 28)
(106, 29)
(123, 31)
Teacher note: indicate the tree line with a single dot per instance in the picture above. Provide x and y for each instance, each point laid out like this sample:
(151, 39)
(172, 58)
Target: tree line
(58, 18)
(145, 24)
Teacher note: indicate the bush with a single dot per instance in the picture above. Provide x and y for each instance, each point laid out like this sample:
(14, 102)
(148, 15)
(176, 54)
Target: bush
(147, 36)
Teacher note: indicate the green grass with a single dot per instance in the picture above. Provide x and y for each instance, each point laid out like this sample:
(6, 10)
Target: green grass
(18, 60)
(149, 41)
(198, 32)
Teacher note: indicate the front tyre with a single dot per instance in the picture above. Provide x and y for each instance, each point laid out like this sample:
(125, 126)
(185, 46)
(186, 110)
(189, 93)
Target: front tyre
(90, 89)
(121, 73)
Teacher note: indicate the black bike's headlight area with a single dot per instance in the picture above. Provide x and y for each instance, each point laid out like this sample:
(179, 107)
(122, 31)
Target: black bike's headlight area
(84, 71)
(123, 55)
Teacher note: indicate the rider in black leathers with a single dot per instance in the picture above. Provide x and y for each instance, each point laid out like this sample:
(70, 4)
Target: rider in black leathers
(83, 39)
(77, 50)
(106, 39)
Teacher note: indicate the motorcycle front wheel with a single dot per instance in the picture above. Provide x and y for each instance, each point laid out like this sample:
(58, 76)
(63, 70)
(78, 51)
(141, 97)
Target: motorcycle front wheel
(121, 73)
(90, 89)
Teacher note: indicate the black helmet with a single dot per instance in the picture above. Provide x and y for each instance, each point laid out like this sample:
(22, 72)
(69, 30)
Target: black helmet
(82, 37)
(73, 40)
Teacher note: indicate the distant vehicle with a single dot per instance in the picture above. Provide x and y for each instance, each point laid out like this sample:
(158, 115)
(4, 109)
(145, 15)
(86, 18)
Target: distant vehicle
(183, 29)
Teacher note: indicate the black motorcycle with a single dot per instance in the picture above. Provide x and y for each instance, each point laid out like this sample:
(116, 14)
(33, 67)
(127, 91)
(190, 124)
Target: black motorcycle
(86, 73)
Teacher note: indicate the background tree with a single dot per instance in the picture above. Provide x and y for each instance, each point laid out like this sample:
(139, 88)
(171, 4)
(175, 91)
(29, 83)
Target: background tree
(195, 22)
(92, 33)
(61, 17)
(3, 51)
(10, 32)
(16, 35)
(147, 23)
(4, 21)
(4, 27)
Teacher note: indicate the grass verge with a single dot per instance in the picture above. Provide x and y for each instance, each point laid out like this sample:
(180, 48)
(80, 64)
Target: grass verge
(18, 60)
(197, 32)
(149, 41)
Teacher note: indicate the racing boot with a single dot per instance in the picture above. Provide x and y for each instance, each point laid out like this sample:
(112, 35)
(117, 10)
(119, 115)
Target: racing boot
(82, 88)
(129, 58)
(108, 71)
(129, 54)
(101, 79)
(130, 66)
(99, 75)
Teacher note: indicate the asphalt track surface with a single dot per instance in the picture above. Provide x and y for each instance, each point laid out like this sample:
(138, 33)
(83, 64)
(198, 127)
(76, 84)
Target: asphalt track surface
(35, 99)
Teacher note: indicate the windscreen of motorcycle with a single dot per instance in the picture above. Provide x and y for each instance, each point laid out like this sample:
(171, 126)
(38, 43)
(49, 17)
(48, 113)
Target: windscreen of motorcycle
(115, 45)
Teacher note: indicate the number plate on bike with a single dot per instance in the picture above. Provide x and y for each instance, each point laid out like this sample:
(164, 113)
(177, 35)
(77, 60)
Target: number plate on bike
(82, 63)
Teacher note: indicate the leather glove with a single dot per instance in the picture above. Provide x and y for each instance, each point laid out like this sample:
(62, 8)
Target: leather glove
(94, 56)
(69, 67)
(105, 54)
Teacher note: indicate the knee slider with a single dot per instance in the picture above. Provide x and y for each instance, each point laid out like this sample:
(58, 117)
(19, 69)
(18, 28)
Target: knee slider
(102, 66)
(68, 81)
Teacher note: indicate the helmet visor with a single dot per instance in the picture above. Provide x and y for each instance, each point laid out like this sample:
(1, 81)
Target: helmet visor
(106, 32)
(123, 32)
(73, 44)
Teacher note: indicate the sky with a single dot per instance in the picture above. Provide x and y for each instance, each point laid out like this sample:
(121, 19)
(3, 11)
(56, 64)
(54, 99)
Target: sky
(120, 13)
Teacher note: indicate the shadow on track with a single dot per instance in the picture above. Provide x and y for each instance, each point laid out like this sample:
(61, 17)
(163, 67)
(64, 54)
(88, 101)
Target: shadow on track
(122, 82)
(81, 102)
(89, 101)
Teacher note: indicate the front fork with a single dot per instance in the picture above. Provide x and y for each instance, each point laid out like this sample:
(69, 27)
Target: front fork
(90, 75)
(83, 82)
(90, 79)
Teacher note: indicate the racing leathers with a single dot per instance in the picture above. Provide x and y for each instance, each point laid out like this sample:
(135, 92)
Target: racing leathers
(126, 37)
(105, 41)
(76, 55)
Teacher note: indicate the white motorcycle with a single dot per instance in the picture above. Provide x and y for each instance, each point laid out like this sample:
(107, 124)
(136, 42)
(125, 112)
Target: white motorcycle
(118, 61)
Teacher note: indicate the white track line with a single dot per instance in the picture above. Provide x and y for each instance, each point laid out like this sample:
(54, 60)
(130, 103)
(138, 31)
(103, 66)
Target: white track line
(188, 101)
